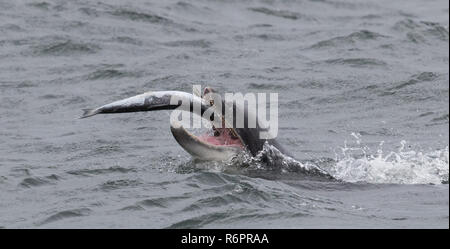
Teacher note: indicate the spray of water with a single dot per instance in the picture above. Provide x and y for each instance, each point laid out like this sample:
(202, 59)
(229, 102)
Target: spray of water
(355, 164)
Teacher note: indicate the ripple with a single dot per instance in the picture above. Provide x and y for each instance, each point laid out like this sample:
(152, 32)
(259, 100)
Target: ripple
(406, 25)
(67, 214)
(415, 37)
(159, 203)
(422, 31)
(267, 86)
(101, 171)
(40, 5)
(163, 202)
(31, 182)
(417, 78)
(64, 48)
(119, 184)
(200, 221)
(209, 178)
(437, 31)
(101, 150)
(269, 37)
(262, 25)
(266, 216)
(356, 62)
(89, 11)
(280, 13)
(128, 40)
(132, 208)
(74, 100)
(441, 118)
(189, 43)
(51, 96)
(218, 201)
(111, 74)
(139, 16)
(359, 36)
(11, 27)
(412, 81)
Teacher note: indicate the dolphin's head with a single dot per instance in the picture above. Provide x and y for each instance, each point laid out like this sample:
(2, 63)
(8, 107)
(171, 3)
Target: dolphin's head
(215, 144)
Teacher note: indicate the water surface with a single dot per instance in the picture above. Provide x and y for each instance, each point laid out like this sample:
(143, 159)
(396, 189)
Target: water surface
(363, 93)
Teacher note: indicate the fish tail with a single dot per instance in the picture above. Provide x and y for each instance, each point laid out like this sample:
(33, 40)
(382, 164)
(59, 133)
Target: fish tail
(89, 113)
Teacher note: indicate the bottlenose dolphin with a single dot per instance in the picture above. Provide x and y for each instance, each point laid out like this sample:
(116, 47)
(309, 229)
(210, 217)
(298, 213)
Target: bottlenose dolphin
(219, 144)
(222, 142)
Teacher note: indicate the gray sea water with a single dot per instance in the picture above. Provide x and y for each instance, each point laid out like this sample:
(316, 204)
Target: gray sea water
(363, 93)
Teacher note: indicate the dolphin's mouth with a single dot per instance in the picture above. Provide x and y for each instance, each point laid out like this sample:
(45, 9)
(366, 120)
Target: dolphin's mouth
(221, 137)
(216, 144)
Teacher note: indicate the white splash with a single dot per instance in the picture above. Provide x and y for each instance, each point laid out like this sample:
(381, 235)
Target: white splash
(400, 167)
